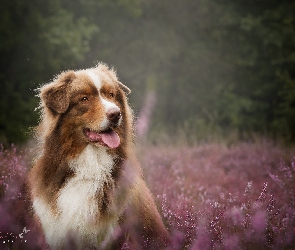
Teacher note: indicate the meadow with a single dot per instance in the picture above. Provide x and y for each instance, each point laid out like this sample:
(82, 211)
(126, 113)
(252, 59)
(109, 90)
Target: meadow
(211, 196)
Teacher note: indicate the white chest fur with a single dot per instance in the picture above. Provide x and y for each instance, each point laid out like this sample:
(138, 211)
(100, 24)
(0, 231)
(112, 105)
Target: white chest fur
(76, 202)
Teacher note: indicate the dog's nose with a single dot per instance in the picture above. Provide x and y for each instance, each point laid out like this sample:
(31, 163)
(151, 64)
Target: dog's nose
(113, 115)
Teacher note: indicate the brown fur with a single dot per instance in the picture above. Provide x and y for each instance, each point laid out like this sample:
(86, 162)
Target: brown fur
(124, 195)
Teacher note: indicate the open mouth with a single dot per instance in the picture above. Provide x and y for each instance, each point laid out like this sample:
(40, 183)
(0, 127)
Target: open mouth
(108, 138)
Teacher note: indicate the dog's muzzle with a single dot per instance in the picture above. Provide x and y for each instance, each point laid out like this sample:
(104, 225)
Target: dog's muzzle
(114, 116)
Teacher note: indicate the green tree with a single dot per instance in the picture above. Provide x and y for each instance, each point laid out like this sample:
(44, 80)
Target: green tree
(259, 38)
(39, 40)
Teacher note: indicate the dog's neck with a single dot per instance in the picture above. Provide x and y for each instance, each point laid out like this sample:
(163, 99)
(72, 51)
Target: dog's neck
(93, 163)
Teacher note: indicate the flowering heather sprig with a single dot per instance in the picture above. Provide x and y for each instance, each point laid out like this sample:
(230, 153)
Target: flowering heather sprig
(248, 188)
(262, 195)
(216, 227)
(277, 180)
(144, 117)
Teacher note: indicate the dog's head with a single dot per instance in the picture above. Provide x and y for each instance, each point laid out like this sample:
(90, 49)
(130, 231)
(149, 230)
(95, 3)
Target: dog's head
(87, 106)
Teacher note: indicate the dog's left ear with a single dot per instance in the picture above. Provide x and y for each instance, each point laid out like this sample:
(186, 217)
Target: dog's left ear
(126, 90)
(56, 95)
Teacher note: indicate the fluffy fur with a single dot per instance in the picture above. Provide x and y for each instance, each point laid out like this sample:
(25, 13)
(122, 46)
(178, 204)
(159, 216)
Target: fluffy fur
(86, 184)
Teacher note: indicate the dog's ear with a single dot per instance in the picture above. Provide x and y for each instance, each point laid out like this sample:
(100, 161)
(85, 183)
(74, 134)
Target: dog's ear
(126, 90)
(56, 95)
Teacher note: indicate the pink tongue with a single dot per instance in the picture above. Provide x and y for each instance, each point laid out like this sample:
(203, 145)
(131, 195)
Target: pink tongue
(110, 138)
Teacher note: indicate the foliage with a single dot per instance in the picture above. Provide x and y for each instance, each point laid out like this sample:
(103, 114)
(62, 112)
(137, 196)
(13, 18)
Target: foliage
(259, 37)
(226, 64)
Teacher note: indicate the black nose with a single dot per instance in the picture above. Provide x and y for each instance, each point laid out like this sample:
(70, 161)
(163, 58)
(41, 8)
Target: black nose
(113, 115)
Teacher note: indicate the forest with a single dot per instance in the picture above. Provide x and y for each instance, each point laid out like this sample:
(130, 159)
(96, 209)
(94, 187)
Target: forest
(213, 66)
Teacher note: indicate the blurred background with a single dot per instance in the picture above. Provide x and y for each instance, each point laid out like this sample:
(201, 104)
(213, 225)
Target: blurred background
(198, 68)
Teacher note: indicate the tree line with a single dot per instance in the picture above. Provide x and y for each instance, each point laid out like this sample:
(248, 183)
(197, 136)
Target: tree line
(227, 64)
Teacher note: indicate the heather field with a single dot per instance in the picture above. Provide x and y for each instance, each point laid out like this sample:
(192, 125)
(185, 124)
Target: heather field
(211, 196)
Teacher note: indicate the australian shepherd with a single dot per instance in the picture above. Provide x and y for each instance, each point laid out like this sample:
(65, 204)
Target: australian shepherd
(87, 185)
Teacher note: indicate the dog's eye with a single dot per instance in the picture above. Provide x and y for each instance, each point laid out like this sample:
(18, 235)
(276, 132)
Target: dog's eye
(111, 95)
(84, 99)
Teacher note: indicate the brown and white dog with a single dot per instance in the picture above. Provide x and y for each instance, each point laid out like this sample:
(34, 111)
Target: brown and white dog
(86, 184)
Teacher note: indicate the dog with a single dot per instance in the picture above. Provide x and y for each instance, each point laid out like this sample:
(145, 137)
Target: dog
(86, 185)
